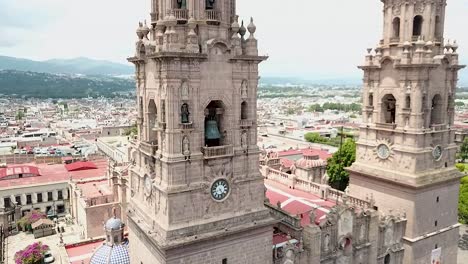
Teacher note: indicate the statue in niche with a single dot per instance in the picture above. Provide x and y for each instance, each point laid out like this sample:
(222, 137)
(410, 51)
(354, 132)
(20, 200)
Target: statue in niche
(326, 243)
(244, 142)
(210, 4)
(185, 91)
(182, 4)
(185, 114)
(244, 89)
(186, 146)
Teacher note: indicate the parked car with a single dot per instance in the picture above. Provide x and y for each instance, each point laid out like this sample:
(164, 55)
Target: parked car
(48, 257)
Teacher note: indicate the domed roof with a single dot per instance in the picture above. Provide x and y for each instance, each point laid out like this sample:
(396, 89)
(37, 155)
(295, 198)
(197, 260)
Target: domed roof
(310, 160)
(114, 224)
(117, 254)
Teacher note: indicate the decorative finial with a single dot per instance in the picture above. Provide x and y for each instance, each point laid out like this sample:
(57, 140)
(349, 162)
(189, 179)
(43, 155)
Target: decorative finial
(252, 28)
(242, 29)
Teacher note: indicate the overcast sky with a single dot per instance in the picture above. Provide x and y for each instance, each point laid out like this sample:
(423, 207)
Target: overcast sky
(304, 38)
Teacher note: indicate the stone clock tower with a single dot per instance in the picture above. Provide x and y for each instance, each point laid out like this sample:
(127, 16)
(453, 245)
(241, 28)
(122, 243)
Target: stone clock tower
(406, 150)
(197, 195)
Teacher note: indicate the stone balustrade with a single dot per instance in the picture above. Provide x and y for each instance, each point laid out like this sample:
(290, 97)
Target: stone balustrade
(149, 148)
(246, 123)
(440, 127)
(212, 15)
(186, 126)
(216, 152)
(322, 190)
(179, 14)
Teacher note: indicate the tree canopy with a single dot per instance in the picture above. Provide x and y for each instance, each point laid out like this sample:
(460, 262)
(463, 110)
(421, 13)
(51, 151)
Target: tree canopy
(463, 154)
(343, 158)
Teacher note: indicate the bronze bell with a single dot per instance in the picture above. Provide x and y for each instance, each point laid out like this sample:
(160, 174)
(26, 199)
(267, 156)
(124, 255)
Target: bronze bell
(211, 130)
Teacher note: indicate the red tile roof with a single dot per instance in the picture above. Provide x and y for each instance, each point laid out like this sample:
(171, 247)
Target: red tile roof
(15, 170)
(57, 173)
(297, 202)
(80, 165)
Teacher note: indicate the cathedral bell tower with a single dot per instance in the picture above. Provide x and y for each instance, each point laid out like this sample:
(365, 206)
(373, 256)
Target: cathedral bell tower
(197, 195)
(406, 151)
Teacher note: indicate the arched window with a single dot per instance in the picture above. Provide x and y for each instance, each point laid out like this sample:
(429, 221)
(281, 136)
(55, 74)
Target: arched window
(417, 25)
(371, 100)
(387, 259)
(437, 29)
(244, 114)
(436, 110)
(408, 102)
(396, 27)
(388, 109)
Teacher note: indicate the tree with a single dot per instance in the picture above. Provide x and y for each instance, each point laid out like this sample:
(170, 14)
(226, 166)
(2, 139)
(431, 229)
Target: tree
(463, 201)
(463, 154)
(343, 158)
(19, 115)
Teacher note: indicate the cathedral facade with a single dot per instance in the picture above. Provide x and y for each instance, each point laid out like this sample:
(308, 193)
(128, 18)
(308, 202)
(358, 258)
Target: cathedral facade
(195, 191)
(406, 150)
(197, 195)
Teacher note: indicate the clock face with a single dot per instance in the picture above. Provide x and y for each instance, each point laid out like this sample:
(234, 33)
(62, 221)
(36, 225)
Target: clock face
(148, 185)
(220, 189)
(437, 152)
(383, 151)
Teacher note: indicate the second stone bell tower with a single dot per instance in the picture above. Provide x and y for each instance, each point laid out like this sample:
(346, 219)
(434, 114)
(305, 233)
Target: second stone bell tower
(197, 195)
(406, 151)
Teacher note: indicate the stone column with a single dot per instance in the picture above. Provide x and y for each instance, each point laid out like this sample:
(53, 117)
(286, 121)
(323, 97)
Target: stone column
(23, 199)
(55, 195)
(65, 193)
(2, 202)
(45, 197)
(34, 198)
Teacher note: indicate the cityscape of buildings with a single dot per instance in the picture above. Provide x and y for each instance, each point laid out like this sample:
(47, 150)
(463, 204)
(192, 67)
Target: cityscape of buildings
(208, 165)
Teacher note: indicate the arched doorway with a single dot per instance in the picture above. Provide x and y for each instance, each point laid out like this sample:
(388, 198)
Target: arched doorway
(388, 109)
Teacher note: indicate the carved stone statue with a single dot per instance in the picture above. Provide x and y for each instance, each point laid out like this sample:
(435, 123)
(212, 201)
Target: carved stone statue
(210, 4)
(326, 243)
(244, 89)
(185, 114)
(244, 143)
(182, 4)
(185, 91)
(186, 146)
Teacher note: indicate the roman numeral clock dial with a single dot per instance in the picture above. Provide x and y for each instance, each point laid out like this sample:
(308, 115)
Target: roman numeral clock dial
(220, 189)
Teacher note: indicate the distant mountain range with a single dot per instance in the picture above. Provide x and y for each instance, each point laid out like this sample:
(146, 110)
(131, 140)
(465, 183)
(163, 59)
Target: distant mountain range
(83, 66)
(46, 85)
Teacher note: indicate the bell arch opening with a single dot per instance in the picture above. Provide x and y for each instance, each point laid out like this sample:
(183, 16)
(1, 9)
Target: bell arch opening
(438, 28)
(244, 111)
(388, 109)
(436, 110)
(396, 27)
(152, 119)
(214, 124)
(417, 25)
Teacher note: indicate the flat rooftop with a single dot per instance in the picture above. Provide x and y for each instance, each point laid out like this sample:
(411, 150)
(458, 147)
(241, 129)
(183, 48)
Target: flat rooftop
(297, 202)
(56, 173)
(95, 189)
(82, 253)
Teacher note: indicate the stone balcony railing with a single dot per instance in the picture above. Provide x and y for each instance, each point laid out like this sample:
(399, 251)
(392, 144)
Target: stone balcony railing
(212, 15)
(322, 190)
(246, 123)
(186, 126)
(180, 14)
(216, 152)
(149, 148)
(390, 126)
(395, 40)
(440, 127)
(286, 218)
(159, 126)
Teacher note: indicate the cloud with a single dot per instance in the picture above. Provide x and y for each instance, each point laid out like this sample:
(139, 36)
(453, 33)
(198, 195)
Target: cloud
(302, 37)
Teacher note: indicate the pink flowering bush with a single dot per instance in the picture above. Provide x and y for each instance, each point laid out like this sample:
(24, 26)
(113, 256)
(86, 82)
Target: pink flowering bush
(32, 254)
